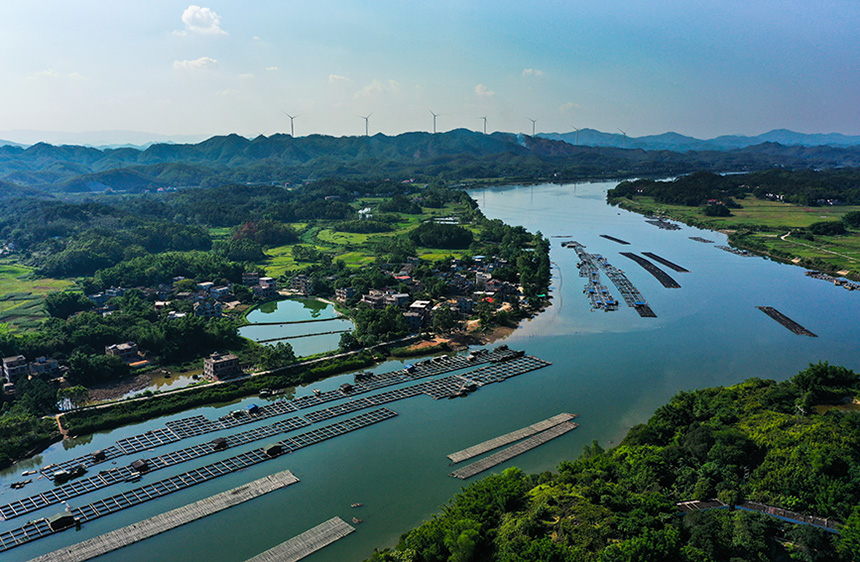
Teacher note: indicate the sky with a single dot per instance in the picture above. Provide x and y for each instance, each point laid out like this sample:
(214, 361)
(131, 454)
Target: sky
(698, 67)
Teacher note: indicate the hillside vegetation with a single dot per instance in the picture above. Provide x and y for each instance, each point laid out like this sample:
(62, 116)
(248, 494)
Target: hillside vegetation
(759, 440)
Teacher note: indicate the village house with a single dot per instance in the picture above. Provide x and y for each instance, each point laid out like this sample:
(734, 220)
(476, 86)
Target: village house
(344, 294)
(250, 278)
(208, 309)
(218, 366)
(127, 351)
(14, 367)
(301, 284)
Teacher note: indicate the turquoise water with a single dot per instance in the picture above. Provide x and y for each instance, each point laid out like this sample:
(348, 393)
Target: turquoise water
(298, 310)
(612, 368)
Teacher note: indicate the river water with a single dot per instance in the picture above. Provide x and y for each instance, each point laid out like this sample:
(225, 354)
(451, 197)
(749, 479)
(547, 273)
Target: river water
(612, 368)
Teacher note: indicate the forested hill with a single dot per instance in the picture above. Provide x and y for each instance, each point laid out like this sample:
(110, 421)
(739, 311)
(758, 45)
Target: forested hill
(452, 156)
(775, 443)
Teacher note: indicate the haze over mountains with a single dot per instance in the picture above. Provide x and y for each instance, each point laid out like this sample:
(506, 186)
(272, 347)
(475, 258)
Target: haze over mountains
(453, 155)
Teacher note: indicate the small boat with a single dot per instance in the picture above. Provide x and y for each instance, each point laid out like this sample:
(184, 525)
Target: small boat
(356, 520)
(356, 504)
(20, 484)
(28, 472)
(317, 392)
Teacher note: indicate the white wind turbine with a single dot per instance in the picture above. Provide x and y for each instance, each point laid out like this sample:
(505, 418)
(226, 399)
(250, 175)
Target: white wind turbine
(534, 122)
(292, 128)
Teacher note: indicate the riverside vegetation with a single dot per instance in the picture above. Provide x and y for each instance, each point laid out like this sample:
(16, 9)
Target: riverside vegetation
(216, 235)
(790, 444)
(807, 217)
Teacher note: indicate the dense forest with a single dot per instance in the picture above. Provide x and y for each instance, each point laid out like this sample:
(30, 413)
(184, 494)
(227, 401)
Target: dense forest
(780, 444)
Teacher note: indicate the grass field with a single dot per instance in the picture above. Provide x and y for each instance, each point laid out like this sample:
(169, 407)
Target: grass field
(775, 219)
(21, 296)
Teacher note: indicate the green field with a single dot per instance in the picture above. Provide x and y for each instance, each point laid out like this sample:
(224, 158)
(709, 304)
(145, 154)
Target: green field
(770, 223)
(21, 295)
(355, 250)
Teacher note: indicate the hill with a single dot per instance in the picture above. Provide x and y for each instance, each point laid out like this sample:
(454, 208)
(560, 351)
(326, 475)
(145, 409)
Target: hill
(450, 156)
(759, 440)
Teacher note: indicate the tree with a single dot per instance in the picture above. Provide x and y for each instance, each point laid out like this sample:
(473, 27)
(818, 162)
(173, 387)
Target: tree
(274, 356)
(444, 320)
(852, 219)
(66, 303)
(77, 395)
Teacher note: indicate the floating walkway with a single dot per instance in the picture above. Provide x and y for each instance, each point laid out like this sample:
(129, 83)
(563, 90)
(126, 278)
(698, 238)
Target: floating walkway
(40, 528)
(514, 450)
(303, 336)
(702, 240)
(296, 321)
(614, 239)
(663, 224)
(508, 438)
(658, 273)
(665, 262)
(786, 321)
(193, 426)
(307, 543)
(158, 524)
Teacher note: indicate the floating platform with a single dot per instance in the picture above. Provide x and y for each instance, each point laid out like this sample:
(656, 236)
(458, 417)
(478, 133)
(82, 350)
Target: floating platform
(665, 262)
(158, 524)
(702, 240)
(307, 543)
(200, 425)
(663, 224)
(40, 528)
(658, 273)
(508, 438)
(735, 251)
(614, 239)
(786, 321)
(506, 454)
(589, 263)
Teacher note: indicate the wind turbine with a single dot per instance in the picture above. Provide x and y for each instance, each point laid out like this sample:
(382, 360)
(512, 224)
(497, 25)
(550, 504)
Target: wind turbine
(292, 129)
(435, 115)
(576, 138)
(625, 138)
(534, 121)
(366, 123)
(485, 123)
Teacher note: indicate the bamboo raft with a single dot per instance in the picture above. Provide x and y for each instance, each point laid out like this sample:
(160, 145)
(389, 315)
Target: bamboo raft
(614, 239)
(506, 454)
(786, 321)
(508, 438)
(658, 273)
(164, 522)
(307, 543)
(665, 262)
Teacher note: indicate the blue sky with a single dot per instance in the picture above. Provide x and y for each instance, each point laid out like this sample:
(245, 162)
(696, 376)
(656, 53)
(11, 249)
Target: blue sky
(702, 68)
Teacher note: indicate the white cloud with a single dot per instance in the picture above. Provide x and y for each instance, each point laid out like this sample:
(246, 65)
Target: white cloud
(228, 93)
(376, 87)
(203, 63)
(483, 92)
(76, 76)
(338, 79)
(272, 68)
(47, 73)
(247, 76)
(569, 106)
(202, 20)
(532, 72)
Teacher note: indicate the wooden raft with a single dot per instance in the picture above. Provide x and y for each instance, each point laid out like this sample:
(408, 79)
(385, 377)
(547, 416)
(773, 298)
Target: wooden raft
(514, 450)
(125, 536)
(307, 543)
(508, 438)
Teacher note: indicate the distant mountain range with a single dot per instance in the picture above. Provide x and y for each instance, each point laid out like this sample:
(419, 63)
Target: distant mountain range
(96, 139)
(682, 143)
(453, 155)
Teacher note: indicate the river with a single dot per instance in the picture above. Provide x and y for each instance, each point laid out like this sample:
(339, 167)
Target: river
(612, 368)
